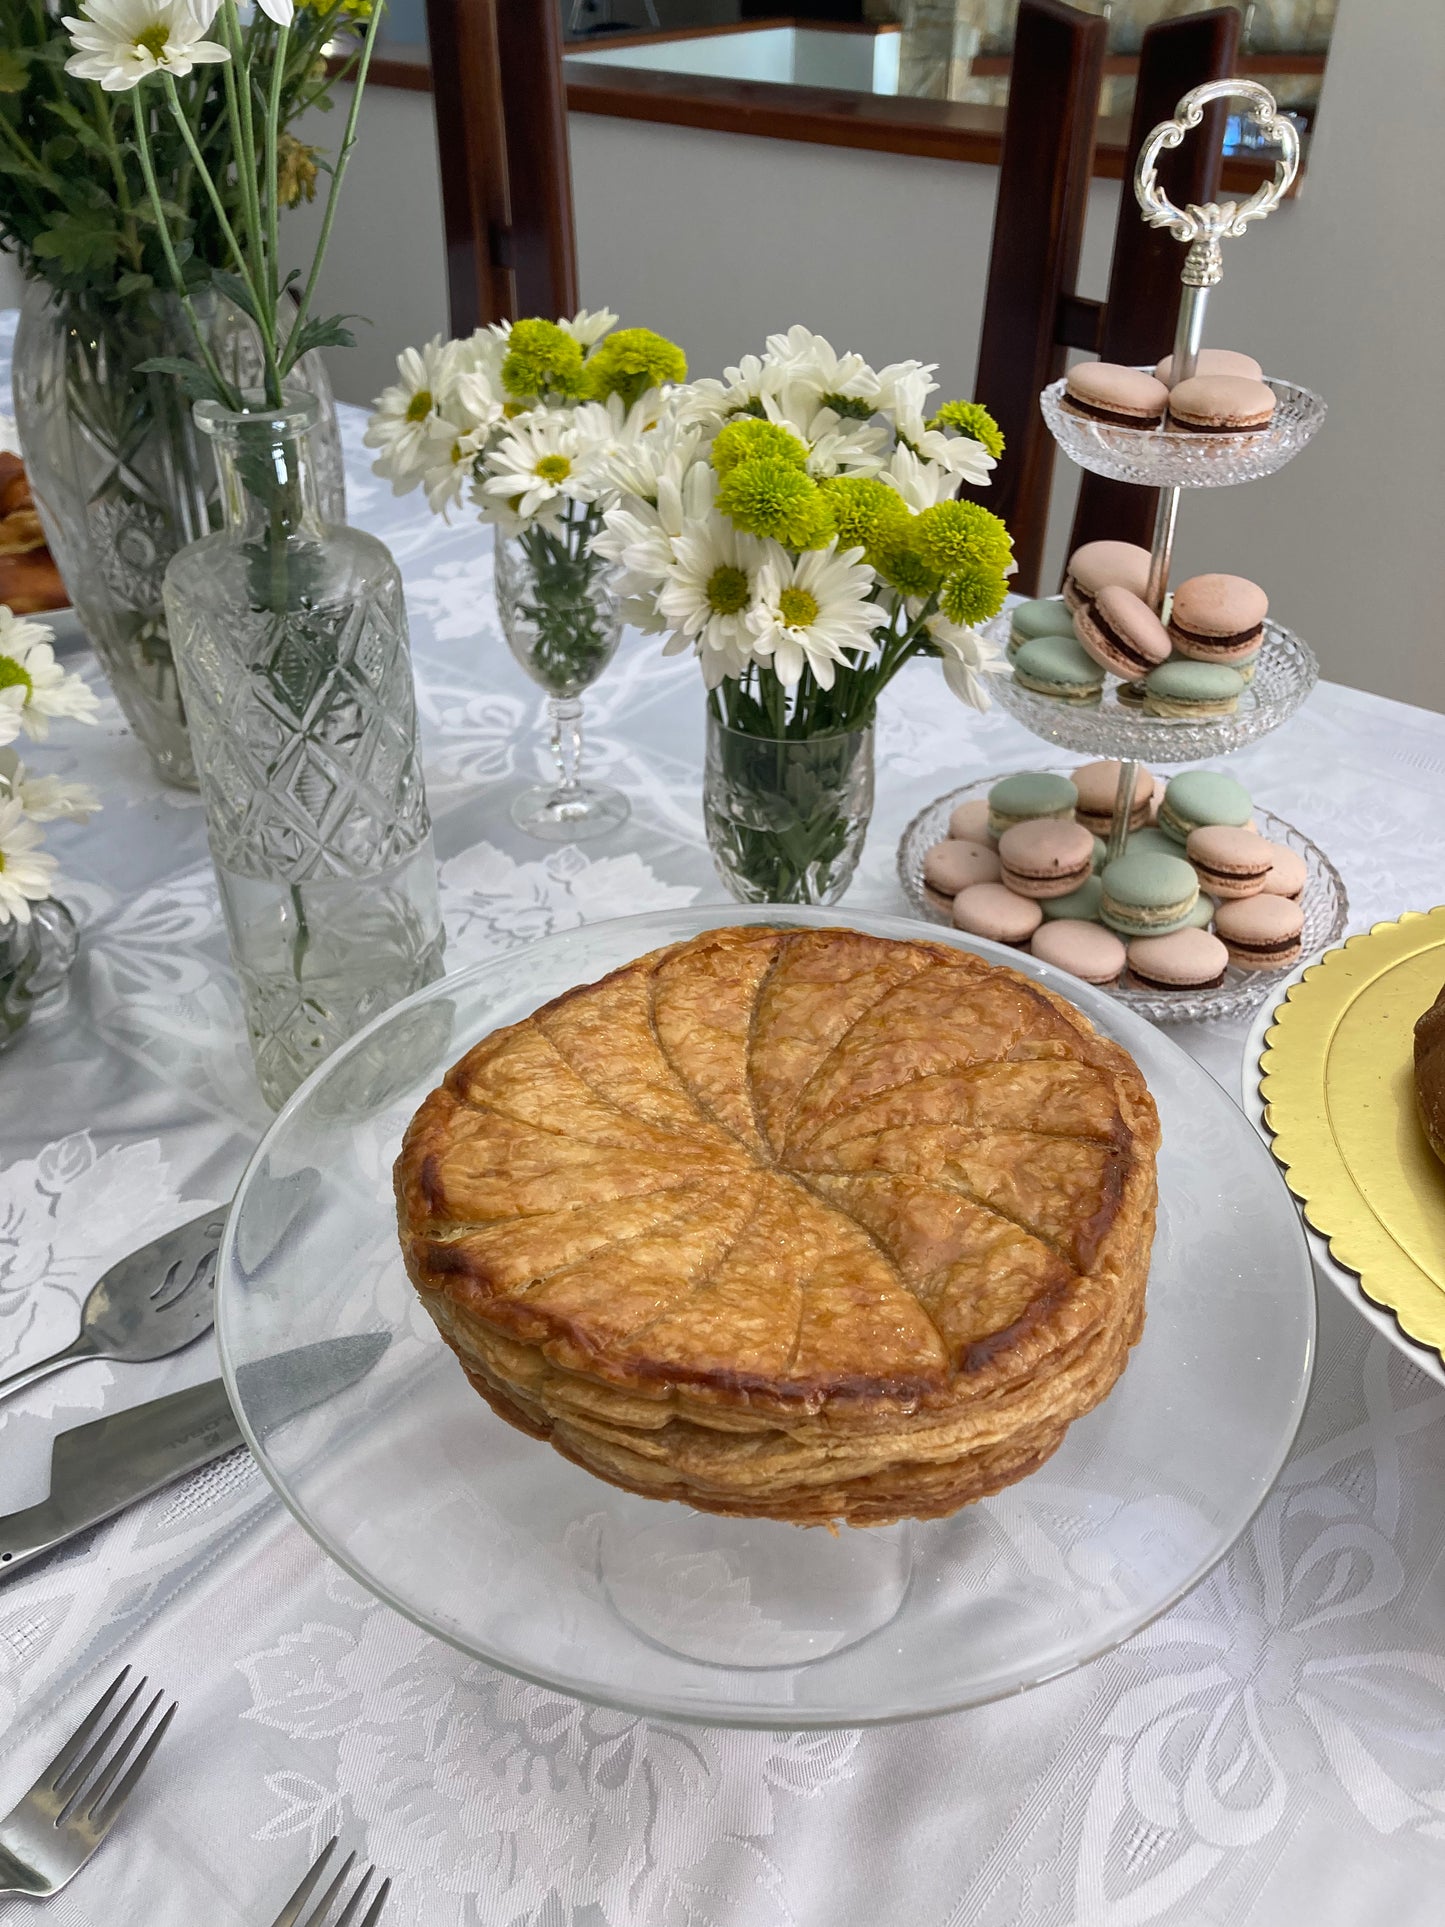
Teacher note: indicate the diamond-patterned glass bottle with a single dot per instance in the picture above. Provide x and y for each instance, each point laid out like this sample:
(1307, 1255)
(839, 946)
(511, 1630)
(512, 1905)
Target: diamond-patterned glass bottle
(290, 639)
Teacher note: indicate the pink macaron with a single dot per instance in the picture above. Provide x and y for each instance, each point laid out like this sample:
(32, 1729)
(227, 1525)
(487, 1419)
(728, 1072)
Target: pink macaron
(1046, 859)
(1288, 872)
(1221, 405)
(993, 911)
(1261, 932)
(1218, 618)
(969, 822)
(1085, 950)
(955, 865)
(1230, 863)
(1103, 565)
(1120, 631)
(1107, 391)
(1098, 787)
(1212, 361)
(1188, 959)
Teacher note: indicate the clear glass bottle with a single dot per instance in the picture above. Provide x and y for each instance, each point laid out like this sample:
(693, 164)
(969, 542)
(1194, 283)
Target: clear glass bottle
(290, 639)
(122, 480)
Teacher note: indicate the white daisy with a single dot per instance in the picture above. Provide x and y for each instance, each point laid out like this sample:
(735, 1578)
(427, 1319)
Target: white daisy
(960, 455)
(589, 328)
(711, 402)
(27, 874)
(451, 469)
(27, 663)
(903, 389)
(408, 417)
(920, 483)
(119, 42)
(968, 659)
(541, 464)
(836, 445)
(639, 534)
(12, 711)
(808, 610)
(48, 799)
(707, 593)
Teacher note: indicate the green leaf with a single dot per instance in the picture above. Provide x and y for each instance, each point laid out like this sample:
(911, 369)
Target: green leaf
(193, 378)
(130, 284)
(321, 331)
(14, 69)
(237, 289)
(80, 241)
(89, 137)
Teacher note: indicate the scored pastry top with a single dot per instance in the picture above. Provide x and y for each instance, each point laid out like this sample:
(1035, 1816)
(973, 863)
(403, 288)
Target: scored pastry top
(787, 1169)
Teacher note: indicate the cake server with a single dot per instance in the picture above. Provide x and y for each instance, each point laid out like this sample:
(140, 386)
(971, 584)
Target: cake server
(98, 1469)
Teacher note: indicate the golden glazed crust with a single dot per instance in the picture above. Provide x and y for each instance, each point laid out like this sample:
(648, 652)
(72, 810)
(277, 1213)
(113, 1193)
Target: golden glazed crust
(800, 1224)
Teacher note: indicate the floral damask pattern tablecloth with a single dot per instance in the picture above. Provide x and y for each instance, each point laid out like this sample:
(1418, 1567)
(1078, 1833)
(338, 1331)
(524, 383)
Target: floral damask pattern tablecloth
(1271, 1752)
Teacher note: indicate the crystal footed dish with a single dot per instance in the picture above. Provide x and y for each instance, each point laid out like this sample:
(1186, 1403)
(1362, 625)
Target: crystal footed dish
(1326, 911)
(1183, 458)
(495, 1543)
(1285, 672)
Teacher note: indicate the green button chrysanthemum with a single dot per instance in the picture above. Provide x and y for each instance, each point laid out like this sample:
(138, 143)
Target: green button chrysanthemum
(902, 563)
(769, 497)
(866, 513)
(971, 418)
(952, 535)
(747, 438)
(630, 362)
(542, 359)
(973, 593)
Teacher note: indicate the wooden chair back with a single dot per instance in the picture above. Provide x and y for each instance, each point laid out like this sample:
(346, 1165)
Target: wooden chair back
(501, 118)
(1033, 315)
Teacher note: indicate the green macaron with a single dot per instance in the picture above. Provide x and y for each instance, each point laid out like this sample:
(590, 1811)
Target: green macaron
(1056, 666)
(1030, 620)
(1149, 838)
(1081, 905)
(1148, 895)
(1202, 796)
(1030, 795)
(1181, 688)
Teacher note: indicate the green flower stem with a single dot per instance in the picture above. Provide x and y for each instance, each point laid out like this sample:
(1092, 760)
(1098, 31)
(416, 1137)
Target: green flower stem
(178, 114)
(338, 175)
(273, 119)
(238, 109)
(105, 122)
(143, 149)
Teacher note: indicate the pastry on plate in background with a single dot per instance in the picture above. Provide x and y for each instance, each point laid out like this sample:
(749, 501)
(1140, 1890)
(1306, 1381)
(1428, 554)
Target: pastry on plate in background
(30, 583)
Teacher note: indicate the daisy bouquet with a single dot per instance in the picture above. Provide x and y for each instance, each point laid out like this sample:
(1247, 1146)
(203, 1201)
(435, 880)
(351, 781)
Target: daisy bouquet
(530, 423)
(795, 526)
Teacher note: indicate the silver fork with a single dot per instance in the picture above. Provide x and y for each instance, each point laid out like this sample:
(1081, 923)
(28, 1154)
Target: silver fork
(147, 1305)
(290, 1914)
(72, 1807)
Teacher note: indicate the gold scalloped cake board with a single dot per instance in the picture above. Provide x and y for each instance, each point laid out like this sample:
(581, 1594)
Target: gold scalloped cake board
(1339, 1094)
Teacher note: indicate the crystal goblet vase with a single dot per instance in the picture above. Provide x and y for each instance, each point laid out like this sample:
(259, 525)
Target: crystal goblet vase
(563, 623)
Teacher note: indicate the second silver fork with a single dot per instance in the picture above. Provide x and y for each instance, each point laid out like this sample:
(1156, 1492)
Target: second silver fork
(320, 1915)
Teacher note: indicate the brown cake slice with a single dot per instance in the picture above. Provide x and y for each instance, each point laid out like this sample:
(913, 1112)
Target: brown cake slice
(1430, 1073)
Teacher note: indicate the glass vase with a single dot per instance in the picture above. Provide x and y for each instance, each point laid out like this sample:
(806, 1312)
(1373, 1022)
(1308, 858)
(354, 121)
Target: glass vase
(122, 480)
(786, 818)
(291, 646)
(563, 624)
(35, 958)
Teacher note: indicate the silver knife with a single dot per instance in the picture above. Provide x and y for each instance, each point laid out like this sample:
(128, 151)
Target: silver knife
(98, 1469)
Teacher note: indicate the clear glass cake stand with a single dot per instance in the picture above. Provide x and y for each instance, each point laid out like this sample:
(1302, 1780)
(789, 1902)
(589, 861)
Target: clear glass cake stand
(1323, 901)
(1181, 458)
(498, 1545)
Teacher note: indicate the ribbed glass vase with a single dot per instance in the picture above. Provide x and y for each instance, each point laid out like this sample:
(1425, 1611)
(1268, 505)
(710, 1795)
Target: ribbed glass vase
(786, 818)
(290, 640)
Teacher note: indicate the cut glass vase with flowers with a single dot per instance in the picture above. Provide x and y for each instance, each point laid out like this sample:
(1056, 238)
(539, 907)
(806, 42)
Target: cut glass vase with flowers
(288, 631)
(533, 424)
(37, 932)
(122, 479)
(795, 526)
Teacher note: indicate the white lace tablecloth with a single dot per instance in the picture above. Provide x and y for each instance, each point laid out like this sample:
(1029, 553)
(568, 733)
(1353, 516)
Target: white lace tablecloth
(1270, 1753)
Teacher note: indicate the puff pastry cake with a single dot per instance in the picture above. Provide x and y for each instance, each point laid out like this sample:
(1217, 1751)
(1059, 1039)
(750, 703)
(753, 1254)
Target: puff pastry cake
(797, 1224)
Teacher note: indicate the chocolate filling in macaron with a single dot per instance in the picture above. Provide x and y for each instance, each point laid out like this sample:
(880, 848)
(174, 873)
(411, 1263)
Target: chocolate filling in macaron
(1106, 391)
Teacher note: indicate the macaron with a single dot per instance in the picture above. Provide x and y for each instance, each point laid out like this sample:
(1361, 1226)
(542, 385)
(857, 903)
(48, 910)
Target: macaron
(1098, 787)
(1221, 405)
(1030, 794)
(1079, 906)
(1086, 950)
(1151, 838)
(1044, 617)
(1287, 874)
(1104, 565)
(1202, 915)
(970, 823)
(1192, 690)
(990, 910)
(1121, 631)
(1261, 932)
(1229, 863)
(1212, 361)
(1147, 895)
(1202, 796)
(1046, 859)
(1107, 391)
(1056, 666)
(1218, 618)
(1187, 960)
(952, 866)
